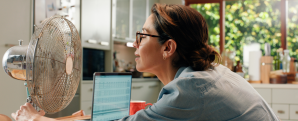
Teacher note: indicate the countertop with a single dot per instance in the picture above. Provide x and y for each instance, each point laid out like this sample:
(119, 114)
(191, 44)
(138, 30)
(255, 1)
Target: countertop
(276, 86)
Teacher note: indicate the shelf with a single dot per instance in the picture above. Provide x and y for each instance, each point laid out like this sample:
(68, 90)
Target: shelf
(95, 46)
(283, 86)
(122, 40)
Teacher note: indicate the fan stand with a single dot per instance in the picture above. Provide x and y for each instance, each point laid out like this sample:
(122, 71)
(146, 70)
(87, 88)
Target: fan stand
(29, 100)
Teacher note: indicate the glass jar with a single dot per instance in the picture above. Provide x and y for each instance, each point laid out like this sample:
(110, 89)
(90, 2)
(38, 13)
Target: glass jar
(228, 59)
(286, 62)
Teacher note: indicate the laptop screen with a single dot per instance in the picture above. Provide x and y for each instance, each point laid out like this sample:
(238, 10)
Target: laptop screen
(111, 96)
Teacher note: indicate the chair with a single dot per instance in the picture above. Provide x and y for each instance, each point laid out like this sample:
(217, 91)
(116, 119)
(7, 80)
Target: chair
(4, 118)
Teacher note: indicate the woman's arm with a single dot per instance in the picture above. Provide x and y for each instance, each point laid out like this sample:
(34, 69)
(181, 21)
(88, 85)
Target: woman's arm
(176, 102)
(28, 113)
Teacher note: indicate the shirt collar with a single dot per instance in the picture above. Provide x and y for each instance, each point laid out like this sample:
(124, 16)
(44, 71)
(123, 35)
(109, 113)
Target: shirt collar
(180, 70)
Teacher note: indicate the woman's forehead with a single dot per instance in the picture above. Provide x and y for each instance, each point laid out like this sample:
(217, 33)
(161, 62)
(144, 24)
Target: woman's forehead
(149, 26)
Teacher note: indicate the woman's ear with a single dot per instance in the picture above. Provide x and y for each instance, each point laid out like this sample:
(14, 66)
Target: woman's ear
(170, 47)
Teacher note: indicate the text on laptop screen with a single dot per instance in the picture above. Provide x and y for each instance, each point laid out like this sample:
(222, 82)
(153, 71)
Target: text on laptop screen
(111, 97)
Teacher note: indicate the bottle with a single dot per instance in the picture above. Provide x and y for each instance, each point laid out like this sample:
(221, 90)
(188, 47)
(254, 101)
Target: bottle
(277, 59)
(277, 62)
(115, 63)
(226, 61)
(238, 69)
(280, 57)
(286, 62)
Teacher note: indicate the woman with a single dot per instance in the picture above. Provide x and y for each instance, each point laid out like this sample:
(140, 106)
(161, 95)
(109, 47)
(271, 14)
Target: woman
(173, 46)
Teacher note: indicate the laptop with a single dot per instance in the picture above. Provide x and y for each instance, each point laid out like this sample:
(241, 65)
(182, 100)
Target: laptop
(111, 96)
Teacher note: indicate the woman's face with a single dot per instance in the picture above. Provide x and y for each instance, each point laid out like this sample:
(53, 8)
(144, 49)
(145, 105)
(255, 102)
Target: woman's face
(149, 51)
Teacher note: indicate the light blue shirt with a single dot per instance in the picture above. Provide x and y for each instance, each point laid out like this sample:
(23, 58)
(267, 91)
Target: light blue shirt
(212, 95)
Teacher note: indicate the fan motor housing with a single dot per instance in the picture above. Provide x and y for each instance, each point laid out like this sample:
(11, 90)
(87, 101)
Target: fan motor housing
(14, 62)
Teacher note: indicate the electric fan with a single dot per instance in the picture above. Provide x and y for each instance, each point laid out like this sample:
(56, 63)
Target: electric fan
(50, 65)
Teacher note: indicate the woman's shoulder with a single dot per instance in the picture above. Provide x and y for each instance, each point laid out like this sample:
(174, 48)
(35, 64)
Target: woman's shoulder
(207, 76)
(189, 72)
(202, 81)
(189, 80)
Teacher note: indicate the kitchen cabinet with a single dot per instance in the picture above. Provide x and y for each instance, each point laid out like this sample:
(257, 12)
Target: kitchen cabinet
(96, 24)
(287, 96)
(294, 112)
(129, 16)
(87, 91)
(281, 110)
(86, 96)
(283, 98)
(96, 16)
(121, 18)
(139, 16)
(86, 107)
(145, 90)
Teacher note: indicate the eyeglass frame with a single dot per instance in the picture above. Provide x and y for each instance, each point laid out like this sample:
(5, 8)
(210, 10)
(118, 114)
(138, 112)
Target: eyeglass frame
(140, 38)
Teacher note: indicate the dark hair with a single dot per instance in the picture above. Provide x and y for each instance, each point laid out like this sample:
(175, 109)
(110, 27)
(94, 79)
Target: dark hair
(189, 29)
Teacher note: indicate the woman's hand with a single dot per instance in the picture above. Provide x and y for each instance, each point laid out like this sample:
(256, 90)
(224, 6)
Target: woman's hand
(27, 113)
(79, 113)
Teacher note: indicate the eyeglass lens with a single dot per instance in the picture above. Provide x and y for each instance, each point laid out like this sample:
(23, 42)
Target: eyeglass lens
(138, 38)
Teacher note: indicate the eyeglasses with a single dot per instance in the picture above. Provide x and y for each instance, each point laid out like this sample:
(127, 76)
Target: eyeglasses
(139, 37)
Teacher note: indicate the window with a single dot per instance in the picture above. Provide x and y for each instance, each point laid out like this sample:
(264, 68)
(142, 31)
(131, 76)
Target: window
(210, 11)
(249, 21)
(292, 28)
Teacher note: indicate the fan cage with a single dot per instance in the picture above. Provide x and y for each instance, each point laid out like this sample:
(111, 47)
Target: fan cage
(50, 87)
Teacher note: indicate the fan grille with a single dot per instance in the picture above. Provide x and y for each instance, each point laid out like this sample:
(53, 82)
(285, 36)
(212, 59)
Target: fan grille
(50, 87)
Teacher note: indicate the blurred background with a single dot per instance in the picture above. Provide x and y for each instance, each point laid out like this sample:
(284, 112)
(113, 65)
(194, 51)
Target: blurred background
(258, 39)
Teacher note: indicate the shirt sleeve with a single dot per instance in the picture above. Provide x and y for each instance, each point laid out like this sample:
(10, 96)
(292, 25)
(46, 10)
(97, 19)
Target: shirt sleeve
(166, 108)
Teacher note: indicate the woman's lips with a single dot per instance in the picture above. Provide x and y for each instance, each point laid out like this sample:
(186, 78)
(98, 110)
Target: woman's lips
(137, 58)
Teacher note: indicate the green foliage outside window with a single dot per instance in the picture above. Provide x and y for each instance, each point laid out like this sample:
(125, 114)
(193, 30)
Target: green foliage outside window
(210, 11)
(292, 31)
(250, 21)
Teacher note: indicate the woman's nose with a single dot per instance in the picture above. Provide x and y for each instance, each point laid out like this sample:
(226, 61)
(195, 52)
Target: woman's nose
(135, 45)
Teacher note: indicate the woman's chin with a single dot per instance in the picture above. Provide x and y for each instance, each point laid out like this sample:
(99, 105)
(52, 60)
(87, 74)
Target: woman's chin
(139, 69)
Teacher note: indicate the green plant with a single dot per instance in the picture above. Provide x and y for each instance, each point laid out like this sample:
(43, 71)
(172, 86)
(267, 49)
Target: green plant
(251, 21)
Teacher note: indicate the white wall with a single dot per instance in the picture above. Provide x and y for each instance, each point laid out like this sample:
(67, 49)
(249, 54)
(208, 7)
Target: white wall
(15, 24)
(180, 2)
